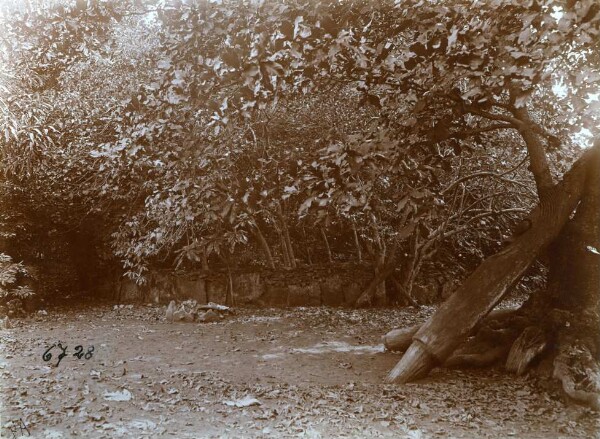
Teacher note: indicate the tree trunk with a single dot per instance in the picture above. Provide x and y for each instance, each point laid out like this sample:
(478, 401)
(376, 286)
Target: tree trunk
(288, 243)
(307, 245)
(324, 235)
(574, 279)
(450, 325)
(403, 292)
(381, 274)
(286, 236)
(574, 294)
(265, 246)
(407, 268)
(204, 261)
(229, 294)
(384, 268)
(284, 250)
(356, 243)
(537, 155)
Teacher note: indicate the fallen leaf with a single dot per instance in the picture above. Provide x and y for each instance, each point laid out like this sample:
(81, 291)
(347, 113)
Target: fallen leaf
(246, 401)
(124, 395)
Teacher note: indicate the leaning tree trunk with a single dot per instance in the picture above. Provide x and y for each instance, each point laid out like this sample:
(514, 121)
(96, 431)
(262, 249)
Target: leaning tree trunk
(566, 317)
(326, 241)
(265, 246)
(437, 339)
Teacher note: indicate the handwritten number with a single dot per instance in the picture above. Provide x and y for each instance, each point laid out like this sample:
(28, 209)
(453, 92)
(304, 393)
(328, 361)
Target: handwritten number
(13, 430)
(47, 355)
(18, 425)
(63, 354)
(78, 351)
(23, 426)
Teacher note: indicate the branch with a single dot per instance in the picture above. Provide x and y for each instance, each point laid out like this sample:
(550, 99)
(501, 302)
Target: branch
(493, 196)
(538, 162)
(513, 169)
(483, 174)
(467, 226)
(513, 121)
(498, 126)
(516, 121)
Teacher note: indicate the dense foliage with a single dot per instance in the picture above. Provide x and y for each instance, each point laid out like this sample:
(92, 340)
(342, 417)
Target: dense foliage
(280, 133)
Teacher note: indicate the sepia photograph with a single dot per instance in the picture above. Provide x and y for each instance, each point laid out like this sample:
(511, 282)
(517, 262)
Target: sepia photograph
(300, 219)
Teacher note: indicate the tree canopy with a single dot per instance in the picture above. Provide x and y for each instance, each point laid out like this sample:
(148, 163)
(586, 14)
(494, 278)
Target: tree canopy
(183, 130)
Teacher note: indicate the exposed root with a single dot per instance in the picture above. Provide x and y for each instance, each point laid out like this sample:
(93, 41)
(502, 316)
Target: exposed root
(491, 344)
(364, 300)
(399, 339)
(510, 335)
(486, 358)
(487, 347)
(528, 346)
(576, 367)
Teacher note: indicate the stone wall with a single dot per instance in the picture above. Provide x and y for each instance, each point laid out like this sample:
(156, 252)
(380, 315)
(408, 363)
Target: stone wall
(333, 285)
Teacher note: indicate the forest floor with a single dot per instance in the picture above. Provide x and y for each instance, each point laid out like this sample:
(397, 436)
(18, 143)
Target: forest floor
(304, 372)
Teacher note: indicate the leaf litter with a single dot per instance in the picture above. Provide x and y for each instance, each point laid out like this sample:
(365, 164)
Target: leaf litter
(304, 372)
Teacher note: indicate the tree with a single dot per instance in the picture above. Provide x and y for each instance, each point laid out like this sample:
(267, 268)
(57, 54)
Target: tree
(199, 156)
(464, 73)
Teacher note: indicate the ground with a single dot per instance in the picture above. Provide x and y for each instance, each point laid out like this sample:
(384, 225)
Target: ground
(310, 372)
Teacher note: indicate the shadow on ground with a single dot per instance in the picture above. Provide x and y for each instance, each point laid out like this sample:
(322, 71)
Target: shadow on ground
(304, 372)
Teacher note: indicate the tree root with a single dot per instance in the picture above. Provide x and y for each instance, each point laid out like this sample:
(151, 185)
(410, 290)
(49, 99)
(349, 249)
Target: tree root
(365, 300)
(509, 334)
(528, 346)
(487, 347)
(577, 369)
(399, 339)
(486, 358)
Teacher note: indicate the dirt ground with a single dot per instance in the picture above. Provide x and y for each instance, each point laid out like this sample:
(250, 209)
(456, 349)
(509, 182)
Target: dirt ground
(304, 372)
